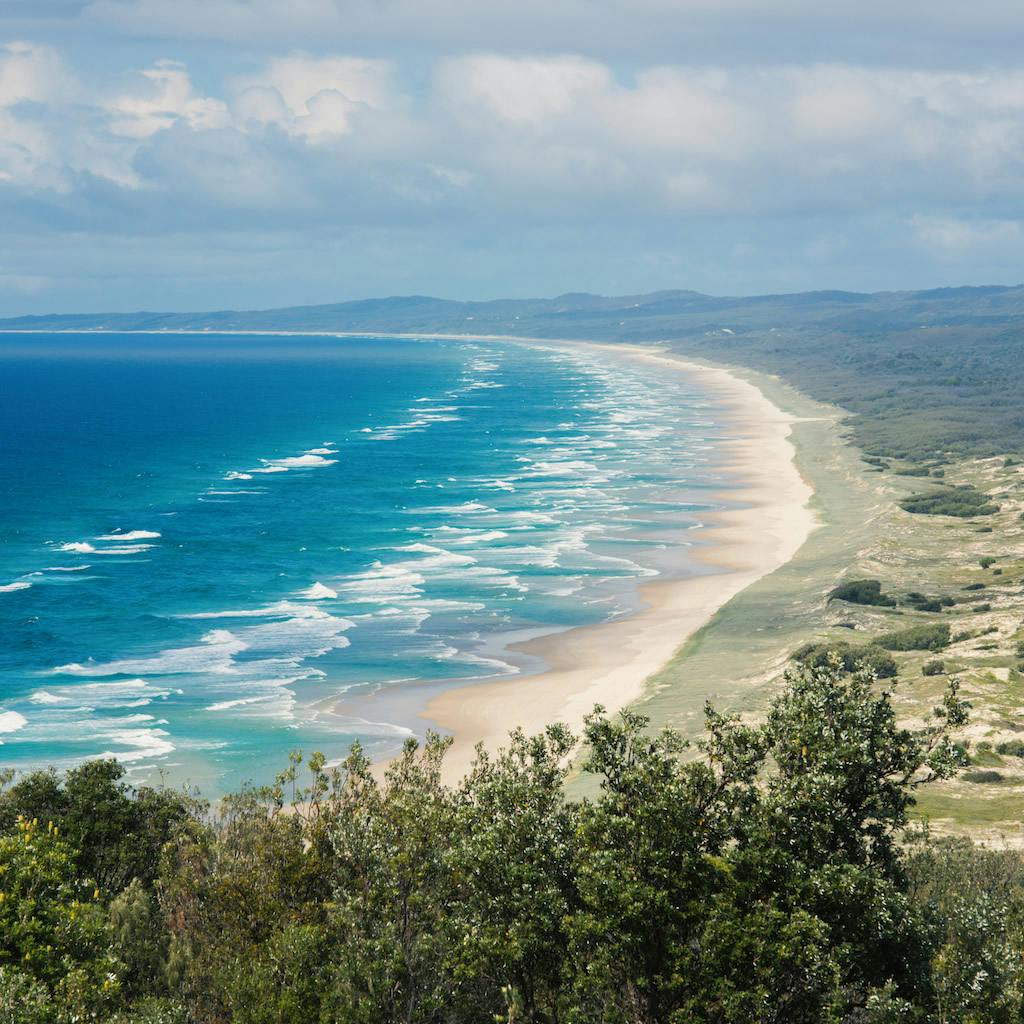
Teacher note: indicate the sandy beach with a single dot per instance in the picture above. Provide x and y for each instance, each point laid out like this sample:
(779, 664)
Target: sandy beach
(609, 663)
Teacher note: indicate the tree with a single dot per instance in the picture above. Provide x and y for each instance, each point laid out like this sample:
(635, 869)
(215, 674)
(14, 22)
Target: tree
(52, 926)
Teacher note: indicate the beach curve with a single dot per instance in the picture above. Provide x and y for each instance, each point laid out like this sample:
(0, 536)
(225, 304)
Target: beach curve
(609, 663)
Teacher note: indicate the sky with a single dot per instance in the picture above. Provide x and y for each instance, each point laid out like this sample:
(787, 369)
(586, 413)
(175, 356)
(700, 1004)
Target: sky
(212, 154)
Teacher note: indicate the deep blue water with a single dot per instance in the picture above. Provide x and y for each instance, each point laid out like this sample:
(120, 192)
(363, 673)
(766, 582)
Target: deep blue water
(208, 543)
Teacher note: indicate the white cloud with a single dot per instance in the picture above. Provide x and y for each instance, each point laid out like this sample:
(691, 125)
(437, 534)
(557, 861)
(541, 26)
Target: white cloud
(316, 97)
(542, 136)
(166, 98)
(31, 72)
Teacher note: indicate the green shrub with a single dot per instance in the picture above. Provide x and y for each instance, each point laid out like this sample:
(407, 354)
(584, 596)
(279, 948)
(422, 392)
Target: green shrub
(933, 668)
(983, 529)
(1011, 748)
(976, 586)
(932, 637)
(852, 657)
(867, 592)
(982, 776)
(960, 502)
(914, 471)
(985, 607)
(986, 562)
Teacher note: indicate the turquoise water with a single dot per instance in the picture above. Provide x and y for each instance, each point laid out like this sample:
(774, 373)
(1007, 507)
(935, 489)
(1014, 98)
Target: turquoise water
(213, 549)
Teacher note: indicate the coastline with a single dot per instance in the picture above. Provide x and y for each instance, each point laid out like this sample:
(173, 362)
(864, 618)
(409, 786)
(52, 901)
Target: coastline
(615, 663)
(610, 663)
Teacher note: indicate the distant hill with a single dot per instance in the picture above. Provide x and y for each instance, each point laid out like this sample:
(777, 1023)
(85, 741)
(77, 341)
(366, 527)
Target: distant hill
(923, 374)
(662, 315)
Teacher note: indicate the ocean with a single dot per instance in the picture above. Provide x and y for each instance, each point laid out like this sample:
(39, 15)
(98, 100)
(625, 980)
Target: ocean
(216, 549)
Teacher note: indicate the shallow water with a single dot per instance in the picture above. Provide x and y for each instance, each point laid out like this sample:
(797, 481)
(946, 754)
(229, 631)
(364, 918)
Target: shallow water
(204, 541)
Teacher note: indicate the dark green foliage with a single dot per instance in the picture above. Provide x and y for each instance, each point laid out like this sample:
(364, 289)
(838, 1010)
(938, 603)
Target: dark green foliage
(116, 832)
(933, 637)
(759, 878)
(982, 777)
(974, 898)
(915, 471)
(962, 502)
(983, 607)
(1011, 748)
(975, 586)
(862, 592)
(933, 668)
(986, 562)
(851, 657)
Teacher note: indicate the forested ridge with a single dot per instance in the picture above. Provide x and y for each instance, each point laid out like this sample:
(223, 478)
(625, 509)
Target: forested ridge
(769, 873)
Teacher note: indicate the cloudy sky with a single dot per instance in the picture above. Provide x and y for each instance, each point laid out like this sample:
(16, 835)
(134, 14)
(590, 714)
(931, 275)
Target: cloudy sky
(197, 154)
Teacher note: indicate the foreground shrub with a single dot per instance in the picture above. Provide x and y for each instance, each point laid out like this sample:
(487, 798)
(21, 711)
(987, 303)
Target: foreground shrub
(761, 877)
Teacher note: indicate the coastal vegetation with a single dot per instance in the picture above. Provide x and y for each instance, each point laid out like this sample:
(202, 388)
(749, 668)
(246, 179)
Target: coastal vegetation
(769, 873)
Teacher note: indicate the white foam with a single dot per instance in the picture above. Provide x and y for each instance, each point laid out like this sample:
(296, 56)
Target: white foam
(308, 461)
(237, 476)
(214, 654)
(66, 568)
(11, 721)
(124, 549)
(19, 585)
(280, 610)
(317, 592)
(130, 535)
(44, 697)
(226, 705)
(143, 744)
(79, 547)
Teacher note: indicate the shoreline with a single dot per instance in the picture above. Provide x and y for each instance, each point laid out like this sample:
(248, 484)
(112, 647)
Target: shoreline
(610, 663)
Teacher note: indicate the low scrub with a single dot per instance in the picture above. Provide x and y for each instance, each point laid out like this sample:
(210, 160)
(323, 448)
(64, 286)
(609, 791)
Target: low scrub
(963, 502)
(932, 637)
(851, 657)
(867, 592)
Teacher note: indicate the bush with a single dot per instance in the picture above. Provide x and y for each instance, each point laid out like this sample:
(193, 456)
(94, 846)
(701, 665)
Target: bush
(934, 637)
(985, 607)
(975, 586)
(867, 592)
(962, 502)
(986, 562)
(851, 657)
(982, 776)
(933, 668)
(1011, 748)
